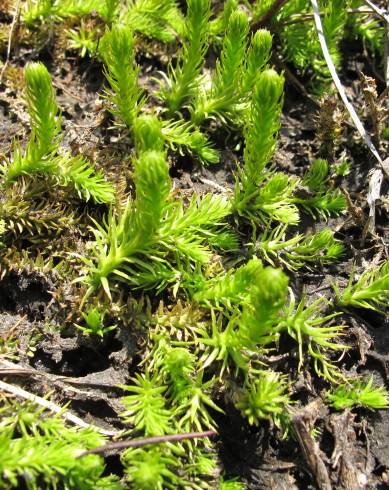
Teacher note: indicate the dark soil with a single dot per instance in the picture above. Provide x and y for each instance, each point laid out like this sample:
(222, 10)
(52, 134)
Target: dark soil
(87, 371)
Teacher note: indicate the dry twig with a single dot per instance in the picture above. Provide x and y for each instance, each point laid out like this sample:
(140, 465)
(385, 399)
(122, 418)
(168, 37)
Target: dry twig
(118, 446)
(15, 390)
(11, 32)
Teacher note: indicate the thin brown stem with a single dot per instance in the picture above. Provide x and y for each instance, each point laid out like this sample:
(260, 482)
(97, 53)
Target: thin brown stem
(118, 446)
(266, 18)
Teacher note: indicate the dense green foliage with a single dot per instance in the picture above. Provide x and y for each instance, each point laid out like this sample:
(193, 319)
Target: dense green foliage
(221, 264)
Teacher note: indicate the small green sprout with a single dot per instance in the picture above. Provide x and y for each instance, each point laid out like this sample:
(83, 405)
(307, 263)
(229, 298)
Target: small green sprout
(83, 40)
(94, 319)
(233, 484)
(265, 399)
(342, 169)
(358, 393)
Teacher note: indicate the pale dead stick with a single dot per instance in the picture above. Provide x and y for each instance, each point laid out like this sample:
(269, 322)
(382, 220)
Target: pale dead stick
(382, 13)
(378, 173)
(11, 32)
(15, 390)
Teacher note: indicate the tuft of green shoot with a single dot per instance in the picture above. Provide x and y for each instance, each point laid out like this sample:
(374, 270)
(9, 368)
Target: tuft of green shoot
(117, 51)
(265, 399)
(153, 18)
(298, 251)
(81, 175)
(306, 324)
(43, 110)
(261, 314)
(261, 130)
(370, 291)
(83, 39)
(145, 406)
(135, 228)
(38, 449)
(359, 393)
(181, 81)
(183, 137)
(152, 468)
(322, 201)
(232, 288)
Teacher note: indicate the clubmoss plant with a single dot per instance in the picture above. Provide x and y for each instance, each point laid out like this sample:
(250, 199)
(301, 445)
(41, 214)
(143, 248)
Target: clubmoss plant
(94, 319)
(260, 194)
(181, 81)
(149, 469)
(126, 97)
(146, 406)
(152, 225)
(83, 39)
(41, 154)
(45, 124)
(225, 93)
